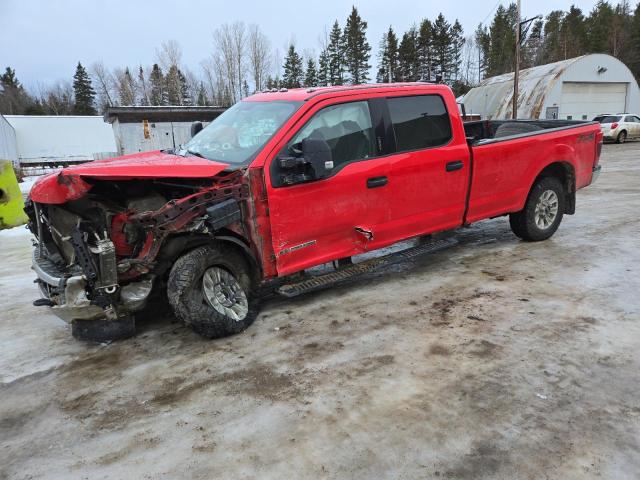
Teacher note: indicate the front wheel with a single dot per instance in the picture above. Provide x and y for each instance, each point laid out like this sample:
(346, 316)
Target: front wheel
(542, 213)
(211, 290)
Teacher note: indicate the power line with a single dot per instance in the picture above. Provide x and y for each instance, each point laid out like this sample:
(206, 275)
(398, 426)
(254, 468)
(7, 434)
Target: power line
(491, 11)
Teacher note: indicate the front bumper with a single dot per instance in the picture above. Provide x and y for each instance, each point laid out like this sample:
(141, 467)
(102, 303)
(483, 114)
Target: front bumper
(68, 293)
(596, 173)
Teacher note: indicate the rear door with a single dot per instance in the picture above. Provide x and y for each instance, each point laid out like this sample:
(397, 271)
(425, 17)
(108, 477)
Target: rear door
(428, 174)
(322, 220)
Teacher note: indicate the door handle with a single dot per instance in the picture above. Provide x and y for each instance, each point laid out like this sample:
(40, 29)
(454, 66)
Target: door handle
(453, 166)
(375, 182)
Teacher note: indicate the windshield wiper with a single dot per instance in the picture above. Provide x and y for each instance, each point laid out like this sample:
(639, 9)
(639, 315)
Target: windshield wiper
(197, 154)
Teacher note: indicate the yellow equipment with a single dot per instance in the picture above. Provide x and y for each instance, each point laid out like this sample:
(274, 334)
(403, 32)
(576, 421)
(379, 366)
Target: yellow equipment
(11, 204)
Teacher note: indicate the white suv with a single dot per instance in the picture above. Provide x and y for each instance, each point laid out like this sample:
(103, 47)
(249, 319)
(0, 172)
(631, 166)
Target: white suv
(619, 127)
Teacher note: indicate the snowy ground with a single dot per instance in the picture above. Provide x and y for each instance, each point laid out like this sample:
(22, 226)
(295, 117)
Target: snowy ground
(493, 359)
(26, 184)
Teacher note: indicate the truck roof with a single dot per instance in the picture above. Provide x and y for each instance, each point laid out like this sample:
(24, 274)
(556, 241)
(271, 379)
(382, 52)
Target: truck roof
(303, 94)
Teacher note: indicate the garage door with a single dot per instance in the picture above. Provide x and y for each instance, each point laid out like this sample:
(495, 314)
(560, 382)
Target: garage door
(591, 99)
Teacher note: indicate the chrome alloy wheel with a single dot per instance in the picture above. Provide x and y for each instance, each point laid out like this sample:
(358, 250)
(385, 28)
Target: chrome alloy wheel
(223, 292)
(546, 209)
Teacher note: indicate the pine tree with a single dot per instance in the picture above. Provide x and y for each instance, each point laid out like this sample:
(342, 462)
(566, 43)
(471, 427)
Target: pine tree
(457, 44)
(573, 33)
(533, 50)
(311, 75)
(425, 50)
(501, 40)
(202, 96)
(483, 41)
(442, 48)
(634, 61)
(335, 52)
(323, 69)
(293, 69)
(126, 88)
(156, 79)
(143, 87)
(553, 44)
(388, 70)
(84, 93)
(408, 64)
(599, 27)
(173, 86)
(13, 98)
(185, 94)
(269, 83)
(621, 34)
(356, 48)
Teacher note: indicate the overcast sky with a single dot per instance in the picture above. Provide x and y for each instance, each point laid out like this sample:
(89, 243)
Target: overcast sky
(44, 39)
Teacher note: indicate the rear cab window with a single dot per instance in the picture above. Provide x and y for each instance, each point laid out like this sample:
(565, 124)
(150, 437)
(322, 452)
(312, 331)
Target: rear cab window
(419, 122)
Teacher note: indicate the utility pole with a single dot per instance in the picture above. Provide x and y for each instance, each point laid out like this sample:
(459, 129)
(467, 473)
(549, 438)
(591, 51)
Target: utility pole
(516, 72)
(520, 36)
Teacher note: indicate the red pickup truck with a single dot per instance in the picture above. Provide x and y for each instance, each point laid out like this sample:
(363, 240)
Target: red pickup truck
(284, 181)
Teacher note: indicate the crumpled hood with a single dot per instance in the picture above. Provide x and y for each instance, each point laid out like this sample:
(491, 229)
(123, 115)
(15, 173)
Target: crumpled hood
(69, 184)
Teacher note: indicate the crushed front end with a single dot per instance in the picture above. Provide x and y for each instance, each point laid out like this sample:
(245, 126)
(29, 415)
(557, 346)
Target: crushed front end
(99, 250)
(77, 265)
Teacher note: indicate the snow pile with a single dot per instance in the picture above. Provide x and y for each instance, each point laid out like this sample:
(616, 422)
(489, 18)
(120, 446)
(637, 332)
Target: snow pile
(14, 232)
(26, 184)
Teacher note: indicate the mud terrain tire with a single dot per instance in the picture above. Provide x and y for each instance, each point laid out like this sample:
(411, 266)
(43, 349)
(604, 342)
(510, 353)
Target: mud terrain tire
(188, 296)
(525, 224)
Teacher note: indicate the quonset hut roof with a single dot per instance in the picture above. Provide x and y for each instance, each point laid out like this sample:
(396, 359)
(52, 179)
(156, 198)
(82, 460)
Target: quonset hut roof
(493, 97)
(543, 87)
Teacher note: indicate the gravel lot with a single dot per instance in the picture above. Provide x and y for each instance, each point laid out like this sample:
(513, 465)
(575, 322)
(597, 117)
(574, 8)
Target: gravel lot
(492, 359)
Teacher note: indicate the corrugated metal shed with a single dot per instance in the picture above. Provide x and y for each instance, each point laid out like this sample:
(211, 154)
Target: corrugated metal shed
(545, 91)
(144, 128)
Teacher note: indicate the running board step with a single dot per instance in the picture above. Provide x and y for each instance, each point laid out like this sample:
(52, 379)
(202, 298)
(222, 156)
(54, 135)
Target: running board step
(322, 281)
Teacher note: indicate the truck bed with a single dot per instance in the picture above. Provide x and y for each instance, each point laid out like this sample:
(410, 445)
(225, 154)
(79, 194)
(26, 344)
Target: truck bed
(481, 132)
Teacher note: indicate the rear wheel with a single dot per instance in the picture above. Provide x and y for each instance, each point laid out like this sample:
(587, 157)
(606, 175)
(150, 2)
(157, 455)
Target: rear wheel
(622, 137)
(542, 213)
(211, 290)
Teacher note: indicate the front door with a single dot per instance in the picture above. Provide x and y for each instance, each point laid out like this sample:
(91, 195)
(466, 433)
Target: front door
(320, 220)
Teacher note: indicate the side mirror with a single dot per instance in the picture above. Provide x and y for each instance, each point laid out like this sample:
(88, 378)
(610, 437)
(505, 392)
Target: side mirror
(196, 127)
(308, 162)
(317, 153)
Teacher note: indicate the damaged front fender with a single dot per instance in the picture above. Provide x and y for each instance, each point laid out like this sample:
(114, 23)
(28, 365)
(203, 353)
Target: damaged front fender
(59, 188)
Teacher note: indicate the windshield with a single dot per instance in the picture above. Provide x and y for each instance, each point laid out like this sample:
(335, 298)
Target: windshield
(237, 135)
(607, 119)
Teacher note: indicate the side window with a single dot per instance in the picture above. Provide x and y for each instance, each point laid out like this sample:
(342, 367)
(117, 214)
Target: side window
(629, 118)
(345, 127)
(419, 122)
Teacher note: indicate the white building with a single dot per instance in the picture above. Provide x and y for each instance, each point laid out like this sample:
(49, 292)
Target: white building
(8, 144)
(576, 89)
(59, 140)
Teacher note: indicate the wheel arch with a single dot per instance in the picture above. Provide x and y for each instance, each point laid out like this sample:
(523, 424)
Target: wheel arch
(178, 245)
(566, 173)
